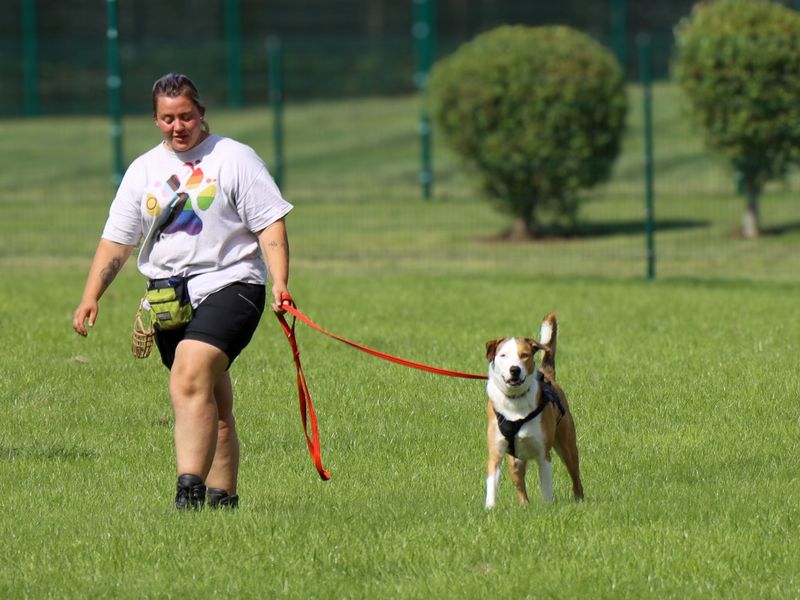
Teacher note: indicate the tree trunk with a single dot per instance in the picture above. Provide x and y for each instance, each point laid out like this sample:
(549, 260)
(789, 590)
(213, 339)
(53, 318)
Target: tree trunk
(751, 226)
(520, 230)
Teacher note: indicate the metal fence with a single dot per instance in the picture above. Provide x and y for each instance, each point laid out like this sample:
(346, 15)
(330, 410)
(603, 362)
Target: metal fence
(55, 58)
(53, 55)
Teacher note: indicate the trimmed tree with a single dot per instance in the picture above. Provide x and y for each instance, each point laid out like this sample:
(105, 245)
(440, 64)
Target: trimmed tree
(739, 64)
(538, 111)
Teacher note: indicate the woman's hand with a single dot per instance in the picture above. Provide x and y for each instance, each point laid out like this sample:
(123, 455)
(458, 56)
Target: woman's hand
(108, 261)
(280, 296)
(87, 309)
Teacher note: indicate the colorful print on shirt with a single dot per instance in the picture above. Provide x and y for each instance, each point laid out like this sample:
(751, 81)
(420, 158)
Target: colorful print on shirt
(189, 196)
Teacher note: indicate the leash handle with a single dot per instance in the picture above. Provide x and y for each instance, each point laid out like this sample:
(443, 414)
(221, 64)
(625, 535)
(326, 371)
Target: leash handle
(307, 412)
(287, 297)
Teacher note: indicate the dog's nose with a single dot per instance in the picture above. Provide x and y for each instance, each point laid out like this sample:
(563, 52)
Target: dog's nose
(514, 371)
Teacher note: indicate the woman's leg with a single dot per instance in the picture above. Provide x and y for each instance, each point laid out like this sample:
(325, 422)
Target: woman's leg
(194, 377)
(225, 466)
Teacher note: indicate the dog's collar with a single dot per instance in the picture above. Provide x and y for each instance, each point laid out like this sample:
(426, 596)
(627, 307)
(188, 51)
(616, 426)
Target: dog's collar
(510, 429)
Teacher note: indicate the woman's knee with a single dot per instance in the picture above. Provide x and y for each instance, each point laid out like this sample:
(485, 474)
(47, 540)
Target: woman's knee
(186, 384)
(196, 368)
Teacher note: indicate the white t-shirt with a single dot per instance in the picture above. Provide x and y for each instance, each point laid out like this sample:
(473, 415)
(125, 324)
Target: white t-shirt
(223, 195)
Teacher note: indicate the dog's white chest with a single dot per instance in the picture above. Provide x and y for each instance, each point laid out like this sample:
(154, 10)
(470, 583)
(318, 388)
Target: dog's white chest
(528, 441)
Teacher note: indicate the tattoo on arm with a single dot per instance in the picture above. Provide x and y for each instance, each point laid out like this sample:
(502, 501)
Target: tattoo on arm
(108, 274)
(274, 244)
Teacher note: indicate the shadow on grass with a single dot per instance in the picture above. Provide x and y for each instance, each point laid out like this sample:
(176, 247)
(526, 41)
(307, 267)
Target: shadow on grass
(45, 453)
(584, 231)
(783, 229)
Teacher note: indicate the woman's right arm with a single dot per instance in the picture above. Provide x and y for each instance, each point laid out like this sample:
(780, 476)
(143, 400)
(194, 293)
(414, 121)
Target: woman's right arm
(108, 261)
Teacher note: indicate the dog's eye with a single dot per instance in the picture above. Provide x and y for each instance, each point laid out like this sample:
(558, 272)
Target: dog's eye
(503, 355)
(525, 355)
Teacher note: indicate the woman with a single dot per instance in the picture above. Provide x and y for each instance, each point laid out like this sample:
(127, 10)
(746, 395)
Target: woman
(202, 206)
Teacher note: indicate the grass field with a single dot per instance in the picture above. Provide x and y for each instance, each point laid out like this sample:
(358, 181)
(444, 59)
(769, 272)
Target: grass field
(684, 390)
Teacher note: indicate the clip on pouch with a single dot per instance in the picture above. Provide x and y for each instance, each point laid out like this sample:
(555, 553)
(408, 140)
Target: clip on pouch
(169, 302)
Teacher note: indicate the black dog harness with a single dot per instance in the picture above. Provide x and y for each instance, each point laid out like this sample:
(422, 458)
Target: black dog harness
(510, 429)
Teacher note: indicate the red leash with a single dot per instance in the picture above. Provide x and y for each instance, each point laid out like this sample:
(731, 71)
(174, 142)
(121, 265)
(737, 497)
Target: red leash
(400, 361)
(306, 405)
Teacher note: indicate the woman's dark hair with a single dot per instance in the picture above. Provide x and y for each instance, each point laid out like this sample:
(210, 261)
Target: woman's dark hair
(173, 85)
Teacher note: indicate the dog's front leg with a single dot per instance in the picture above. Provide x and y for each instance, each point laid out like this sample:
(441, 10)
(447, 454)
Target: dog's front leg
(546, 477)
(517, 468)
(492, 479)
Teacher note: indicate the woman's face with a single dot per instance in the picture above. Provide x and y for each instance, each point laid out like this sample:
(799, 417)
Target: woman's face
(180, 121)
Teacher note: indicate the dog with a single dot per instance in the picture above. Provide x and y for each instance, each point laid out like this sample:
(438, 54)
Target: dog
(528, 414)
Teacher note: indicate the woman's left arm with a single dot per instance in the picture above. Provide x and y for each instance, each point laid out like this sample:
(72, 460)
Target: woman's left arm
(274, 244)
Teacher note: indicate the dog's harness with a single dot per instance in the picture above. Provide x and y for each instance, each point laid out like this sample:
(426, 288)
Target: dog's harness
(510, 429)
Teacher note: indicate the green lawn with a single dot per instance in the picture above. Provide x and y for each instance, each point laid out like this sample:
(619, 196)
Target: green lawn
(684, 390)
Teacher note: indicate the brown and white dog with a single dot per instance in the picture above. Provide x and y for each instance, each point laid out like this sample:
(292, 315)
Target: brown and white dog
(528, 414)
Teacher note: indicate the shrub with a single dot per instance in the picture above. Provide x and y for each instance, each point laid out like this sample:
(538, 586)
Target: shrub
(538, 111)
(739, 64)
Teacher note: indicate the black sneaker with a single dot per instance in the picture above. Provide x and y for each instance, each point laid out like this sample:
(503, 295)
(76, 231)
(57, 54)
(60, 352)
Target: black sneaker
(219, 498)
(191, 494)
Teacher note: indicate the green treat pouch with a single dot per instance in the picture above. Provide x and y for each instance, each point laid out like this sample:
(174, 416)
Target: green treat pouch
(170, 306)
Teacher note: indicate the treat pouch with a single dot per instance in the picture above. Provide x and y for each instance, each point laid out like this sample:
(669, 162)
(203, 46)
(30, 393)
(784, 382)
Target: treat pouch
(169, 302)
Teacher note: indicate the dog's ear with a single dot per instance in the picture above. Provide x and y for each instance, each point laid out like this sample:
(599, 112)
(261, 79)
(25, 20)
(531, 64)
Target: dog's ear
(491, 348)
(536, 345)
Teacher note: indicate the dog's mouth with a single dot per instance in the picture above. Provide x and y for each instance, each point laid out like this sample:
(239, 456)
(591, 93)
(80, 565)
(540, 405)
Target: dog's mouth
(514, 381)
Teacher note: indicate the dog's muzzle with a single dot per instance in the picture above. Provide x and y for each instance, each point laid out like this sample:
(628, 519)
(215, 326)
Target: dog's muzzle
(515, 378)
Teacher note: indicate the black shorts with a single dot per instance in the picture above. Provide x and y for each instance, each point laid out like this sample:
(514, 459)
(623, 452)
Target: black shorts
(226, 319)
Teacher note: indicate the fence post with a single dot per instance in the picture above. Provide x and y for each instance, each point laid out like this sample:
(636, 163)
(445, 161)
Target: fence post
(619, 32)
(644, 43)
(114, 85)
(423, 31)
(275, 60)
(30, 59)
(233, 46)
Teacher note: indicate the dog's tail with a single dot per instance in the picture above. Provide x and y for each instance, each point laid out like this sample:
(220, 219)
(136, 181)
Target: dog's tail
(548, 337)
